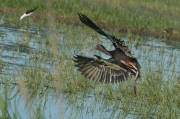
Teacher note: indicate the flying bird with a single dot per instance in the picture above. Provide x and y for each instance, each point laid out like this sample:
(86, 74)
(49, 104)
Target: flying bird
(28, 13)
(120, 67)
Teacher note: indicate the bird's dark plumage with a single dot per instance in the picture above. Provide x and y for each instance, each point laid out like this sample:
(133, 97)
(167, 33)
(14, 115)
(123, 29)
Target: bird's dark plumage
(118, 43)
(30, 11)
(101, 70)
(118, 68)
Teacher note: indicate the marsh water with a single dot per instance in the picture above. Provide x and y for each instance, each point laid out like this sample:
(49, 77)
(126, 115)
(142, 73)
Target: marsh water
(21, 45)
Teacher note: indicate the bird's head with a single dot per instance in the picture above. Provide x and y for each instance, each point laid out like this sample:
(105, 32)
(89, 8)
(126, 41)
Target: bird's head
(99, 47)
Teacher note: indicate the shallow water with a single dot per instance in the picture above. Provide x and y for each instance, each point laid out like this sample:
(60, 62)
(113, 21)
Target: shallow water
(18, 43)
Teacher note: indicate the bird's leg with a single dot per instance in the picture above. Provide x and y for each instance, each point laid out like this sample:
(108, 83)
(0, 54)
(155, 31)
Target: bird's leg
(135, 82)
(136, 72)
(33, 18)
(134, 67)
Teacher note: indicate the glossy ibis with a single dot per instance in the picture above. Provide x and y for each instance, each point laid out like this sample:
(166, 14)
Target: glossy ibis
(118, 68)
(28, 13)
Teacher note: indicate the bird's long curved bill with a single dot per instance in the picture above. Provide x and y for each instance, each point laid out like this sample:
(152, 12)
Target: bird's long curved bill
(88, 49)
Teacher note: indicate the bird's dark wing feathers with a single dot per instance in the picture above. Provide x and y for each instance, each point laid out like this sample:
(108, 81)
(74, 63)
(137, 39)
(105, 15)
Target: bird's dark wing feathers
(29, 11)
(118, 43)
(100, 70)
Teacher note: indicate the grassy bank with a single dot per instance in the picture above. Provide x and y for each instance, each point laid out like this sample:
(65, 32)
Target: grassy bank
(49, 72)
(139, 14)
(44, 69)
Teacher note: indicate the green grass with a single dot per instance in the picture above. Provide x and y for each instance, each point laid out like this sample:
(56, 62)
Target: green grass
(49, 71)
(139, 14)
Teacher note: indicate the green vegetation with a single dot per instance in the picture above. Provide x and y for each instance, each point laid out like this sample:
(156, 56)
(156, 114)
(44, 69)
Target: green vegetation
(43, 70)
(48, 70)
(141, 14)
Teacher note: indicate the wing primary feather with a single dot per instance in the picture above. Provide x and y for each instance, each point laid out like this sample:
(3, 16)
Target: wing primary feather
(94, 74)
(90, 73)
(85, 68)
(97, 74)
(87, 71)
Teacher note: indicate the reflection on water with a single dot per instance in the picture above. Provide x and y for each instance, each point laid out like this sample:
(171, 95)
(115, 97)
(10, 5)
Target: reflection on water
(17, 45)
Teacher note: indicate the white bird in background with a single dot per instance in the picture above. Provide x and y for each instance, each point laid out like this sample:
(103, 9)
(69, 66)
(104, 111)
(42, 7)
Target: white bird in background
(28, 13)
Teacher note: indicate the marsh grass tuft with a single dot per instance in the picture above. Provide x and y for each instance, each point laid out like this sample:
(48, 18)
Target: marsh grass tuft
(140, 14)
(46, 70)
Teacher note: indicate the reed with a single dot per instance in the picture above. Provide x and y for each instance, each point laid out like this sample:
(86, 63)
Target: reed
(43, 71)
(139, 14)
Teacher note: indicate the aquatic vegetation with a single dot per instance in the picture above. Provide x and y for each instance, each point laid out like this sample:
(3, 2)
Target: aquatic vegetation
(139, 14)
(38, 75)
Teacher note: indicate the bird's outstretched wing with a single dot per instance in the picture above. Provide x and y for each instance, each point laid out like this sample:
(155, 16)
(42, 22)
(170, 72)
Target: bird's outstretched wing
(118, 43)
(30, 11)
(100, 70)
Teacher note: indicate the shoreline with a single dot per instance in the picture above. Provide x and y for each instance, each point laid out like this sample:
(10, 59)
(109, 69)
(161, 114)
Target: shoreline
(121, 29)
